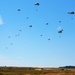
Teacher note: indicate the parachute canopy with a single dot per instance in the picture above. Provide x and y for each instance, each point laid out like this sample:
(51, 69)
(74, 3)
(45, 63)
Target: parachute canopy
(46, 23)
(71, 12)
(30, 26)
(48, 38)
(59, 21)
(8, 36)
(19, 30)
(27, 17)
(41, 35)
(18, 9)
(37, 4)
(60, 31)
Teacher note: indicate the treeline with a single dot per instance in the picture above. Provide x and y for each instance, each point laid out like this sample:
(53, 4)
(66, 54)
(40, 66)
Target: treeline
(67, 67)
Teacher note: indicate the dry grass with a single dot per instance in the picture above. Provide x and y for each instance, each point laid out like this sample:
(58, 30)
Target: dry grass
(33, 71)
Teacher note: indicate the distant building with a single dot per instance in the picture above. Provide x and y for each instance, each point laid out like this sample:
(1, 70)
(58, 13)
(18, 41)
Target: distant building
(39, 69)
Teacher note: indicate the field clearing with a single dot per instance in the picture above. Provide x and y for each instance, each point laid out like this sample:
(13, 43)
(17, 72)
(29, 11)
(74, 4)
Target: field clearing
(35, 71)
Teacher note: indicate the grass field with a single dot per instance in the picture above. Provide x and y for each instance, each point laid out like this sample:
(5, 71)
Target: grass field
(35, 71)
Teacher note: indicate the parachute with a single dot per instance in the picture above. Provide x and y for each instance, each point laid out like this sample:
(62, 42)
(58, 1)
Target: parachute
(59, 21)
(37, 4)
(46, 23)
(60, 31)
(71, 12)
(48, 38)
(41, 35)
(30, 26)
(8, 36)
(18, 9)
(20, 30)
(27, 17)
(11, 43)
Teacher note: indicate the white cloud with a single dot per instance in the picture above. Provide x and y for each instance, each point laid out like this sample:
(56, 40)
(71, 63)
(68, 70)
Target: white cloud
(1, 20)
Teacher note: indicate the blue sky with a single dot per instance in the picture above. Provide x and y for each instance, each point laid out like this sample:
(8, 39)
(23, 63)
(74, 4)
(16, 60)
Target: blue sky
(27, 47)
